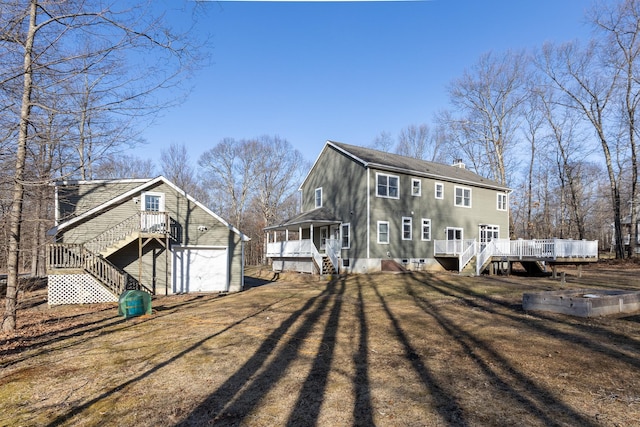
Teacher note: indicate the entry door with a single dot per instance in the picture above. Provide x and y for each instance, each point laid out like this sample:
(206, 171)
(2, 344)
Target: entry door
(152, 217)
(487, 234)
(454, 240)
(324, 234)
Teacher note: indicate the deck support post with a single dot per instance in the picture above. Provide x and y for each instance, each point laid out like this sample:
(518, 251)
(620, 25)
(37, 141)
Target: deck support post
(579, 270)
(554, 271)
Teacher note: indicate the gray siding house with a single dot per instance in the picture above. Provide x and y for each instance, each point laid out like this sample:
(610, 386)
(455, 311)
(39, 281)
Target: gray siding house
(365, 210)
(148, 234)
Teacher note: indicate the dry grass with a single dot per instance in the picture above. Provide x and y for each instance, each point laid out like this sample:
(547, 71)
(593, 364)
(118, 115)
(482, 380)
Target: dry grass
(383, 349)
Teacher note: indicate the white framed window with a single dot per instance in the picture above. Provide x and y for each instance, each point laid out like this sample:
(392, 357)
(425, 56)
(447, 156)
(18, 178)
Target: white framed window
(416, 187)
(152, 201)
(383, 232)
(463, 196)
(387, 186)
(426, 229)
(439, 190)
(345, 235)
(489, 232)
(407, 228)
(318, 197)
(502, 202)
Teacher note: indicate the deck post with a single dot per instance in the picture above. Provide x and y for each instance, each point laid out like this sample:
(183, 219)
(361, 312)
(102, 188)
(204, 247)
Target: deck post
(579, 270)
(554, 271)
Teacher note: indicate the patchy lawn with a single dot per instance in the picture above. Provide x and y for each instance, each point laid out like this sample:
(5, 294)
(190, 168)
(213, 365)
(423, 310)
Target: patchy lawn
(383, 349)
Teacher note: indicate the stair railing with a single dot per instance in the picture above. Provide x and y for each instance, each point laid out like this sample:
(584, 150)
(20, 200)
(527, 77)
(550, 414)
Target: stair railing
(114, 234)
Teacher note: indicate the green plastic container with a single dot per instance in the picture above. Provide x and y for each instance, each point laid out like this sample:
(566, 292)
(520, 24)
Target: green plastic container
(134, 303)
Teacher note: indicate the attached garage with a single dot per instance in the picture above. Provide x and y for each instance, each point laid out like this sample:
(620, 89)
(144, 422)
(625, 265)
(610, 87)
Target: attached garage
(200, 269)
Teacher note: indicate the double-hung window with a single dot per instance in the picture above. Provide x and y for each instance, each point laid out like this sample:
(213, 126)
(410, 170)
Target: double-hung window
(502, 202)
(406, 228)
(439, 190)
(463, 196)
(416, 187)
(387, 186)
(318, 197)
(345, 231)
(383, 232)
(426, 229)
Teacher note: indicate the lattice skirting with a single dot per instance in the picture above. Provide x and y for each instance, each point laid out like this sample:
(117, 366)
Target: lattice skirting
(77, 289)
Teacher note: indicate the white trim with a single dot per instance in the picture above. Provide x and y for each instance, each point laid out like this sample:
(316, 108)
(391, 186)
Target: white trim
(143, 200)
(505, 201)
(410, 222)
(348, 225)
(315, 197)
(422, 229)
(378, 232)
(435, 190)
(455, 196)
(134, 191)
(378, 174)
(419, 181)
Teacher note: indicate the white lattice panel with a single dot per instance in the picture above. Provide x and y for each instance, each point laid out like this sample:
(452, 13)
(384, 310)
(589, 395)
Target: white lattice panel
(77, 289)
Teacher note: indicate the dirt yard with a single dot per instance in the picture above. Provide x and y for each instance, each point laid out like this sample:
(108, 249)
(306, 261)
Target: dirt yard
(384, 349)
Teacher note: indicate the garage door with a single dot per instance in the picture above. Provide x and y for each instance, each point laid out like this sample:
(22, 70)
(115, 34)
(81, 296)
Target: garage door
(199, 270)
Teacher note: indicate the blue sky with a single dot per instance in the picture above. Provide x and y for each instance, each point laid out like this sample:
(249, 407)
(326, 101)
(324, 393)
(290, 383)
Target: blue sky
(345, 71)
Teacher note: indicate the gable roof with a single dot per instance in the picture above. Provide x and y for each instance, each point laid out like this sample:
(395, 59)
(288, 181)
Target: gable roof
(315, 216)
(370, 158)
(144, 184)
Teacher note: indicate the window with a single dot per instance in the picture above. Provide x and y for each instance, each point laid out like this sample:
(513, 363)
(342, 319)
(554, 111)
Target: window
(345, 230)
(502, 202)
(416, 187)
(489, 232)
(387, 186)
(383, 232)
(345, 262)
(463, 197)
(318, 197)
(439, 190)
(406, 228)
(426, 229)
(152, 201)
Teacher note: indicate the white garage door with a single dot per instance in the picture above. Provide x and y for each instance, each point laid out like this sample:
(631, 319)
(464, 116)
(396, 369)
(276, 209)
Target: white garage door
(199, 270)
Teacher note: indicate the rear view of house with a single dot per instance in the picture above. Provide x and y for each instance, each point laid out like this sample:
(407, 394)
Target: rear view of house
(113, 235)
(366, 210)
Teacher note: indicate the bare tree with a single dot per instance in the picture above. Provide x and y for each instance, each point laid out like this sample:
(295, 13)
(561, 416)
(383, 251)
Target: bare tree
(119, 166)
(488, 99)
(590, 89)
(45, 36)
(619, 23)
(383, 142)
(418, 142)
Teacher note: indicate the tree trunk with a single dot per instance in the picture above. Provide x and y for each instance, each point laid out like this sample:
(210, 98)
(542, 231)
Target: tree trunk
(15, 215)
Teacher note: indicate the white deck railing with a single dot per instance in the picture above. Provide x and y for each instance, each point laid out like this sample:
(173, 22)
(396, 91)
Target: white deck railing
(304, 249)
(542, 248)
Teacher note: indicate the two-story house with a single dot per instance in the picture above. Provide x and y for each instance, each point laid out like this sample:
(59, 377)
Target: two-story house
(113, 235)
(365, 210)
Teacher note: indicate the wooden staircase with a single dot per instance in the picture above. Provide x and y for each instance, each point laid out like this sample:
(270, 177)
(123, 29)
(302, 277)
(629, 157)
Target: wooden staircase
(91, 256)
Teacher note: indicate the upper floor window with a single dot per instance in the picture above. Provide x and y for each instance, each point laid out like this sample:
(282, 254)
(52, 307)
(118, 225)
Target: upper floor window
(502, 202)
(426, 229)
(318, 197)
(406, 228)
(387, 186)
(383, 231)
(152, 201)
(345, 231)
(439, 190)
(463, 197)
(416, 187)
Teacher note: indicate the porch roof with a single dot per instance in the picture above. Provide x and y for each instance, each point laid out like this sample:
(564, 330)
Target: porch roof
(319, 216)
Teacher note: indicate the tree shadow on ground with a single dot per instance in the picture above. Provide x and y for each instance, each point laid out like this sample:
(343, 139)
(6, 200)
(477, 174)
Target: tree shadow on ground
(235, 399)
(506, 379)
